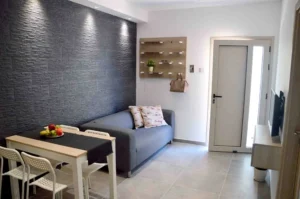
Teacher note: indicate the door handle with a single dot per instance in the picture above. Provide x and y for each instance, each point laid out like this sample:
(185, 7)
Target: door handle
(216, 96)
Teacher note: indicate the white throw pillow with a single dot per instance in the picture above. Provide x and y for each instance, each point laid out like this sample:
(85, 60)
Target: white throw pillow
(153, 116)
(137, 117)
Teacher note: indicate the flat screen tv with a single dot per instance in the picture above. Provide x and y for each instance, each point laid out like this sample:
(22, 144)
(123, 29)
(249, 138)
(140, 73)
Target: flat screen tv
(277, 113)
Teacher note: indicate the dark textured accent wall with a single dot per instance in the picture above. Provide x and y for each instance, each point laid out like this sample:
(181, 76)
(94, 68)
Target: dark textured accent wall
(62, 63)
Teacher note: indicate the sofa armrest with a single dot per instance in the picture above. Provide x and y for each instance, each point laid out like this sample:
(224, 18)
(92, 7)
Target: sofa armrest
(124, 140)
(169, 117)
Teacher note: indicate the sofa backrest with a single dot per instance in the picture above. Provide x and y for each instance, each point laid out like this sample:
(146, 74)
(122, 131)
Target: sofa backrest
(121, 119)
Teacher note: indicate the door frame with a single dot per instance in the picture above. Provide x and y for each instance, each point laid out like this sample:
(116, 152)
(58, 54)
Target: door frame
(235, 41)
(289, 173)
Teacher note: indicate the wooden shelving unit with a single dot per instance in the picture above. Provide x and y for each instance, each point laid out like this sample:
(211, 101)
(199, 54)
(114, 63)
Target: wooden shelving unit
(169, 54)
(266, 153)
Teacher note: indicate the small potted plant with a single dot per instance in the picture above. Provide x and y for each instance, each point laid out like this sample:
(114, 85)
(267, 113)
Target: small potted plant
(150, 65)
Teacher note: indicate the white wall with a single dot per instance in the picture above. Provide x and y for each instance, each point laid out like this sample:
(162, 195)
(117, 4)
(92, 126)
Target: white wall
(120, 8)
(284, 63)
(199, 25)
(285, 45)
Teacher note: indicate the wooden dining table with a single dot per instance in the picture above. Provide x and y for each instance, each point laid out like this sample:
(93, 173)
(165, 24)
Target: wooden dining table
(74, 156)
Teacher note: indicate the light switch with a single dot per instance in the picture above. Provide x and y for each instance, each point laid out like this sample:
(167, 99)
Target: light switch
(192, 68)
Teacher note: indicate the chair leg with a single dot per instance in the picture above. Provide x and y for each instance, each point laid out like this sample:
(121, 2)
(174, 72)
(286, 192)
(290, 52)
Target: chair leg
(61, 194)
(86, 188)
(90, 183)
(34, 189)
(27, 190)
(23, 189)
(0, 186)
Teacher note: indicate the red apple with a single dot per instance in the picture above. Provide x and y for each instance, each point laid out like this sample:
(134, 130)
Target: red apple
(59, 131)
(51, 127)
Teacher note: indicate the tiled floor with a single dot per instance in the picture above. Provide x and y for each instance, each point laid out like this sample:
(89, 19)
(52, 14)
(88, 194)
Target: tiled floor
(184, 171)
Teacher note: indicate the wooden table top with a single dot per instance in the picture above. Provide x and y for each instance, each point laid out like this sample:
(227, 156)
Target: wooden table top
(73, 152)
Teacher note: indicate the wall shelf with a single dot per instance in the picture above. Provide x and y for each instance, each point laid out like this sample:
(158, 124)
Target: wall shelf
(152, 42)
(153, 52)
(169, 54)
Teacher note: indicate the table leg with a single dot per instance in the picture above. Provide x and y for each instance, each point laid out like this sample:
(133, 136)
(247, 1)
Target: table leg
(77, 179)
(14, 185)
(111, 160)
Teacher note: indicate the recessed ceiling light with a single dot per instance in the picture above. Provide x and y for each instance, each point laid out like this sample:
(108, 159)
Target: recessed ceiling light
(129, 18)
(96, 7)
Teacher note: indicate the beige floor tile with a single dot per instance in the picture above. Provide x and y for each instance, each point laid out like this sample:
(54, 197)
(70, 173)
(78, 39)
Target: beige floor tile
(211, 163)
(142, 188)
(237, 187)
(161, 171)
(182, 171)
(241, 169)
(242, 157)
(201, 180)
(177, 159)
(178, 192)
(100, 183)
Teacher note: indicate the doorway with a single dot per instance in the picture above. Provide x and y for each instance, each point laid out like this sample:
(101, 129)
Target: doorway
(239, 92)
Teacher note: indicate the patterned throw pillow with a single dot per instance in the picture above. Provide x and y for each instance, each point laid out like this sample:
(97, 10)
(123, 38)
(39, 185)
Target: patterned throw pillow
(152, 116)
(137, 117)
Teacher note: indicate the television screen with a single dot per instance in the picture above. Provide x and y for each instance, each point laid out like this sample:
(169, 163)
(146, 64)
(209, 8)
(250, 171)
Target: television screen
(271, 110)
(277, 113)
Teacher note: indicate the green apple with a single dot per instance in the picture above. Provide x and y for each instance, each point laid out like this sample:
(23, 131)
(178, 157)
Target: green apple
(53, 133)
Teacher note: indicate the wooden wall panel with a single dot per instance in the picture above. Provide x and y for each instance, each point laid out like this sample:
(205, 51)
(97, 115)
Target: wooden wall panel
(169, 54)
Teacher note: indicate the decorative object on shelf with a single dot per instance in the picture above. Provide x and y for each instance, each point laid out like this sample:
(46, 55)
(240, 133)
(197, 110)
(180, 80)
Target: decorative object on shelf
(151, 65)
(179, 85)
(142, 72)
(153, 42)
(169, 54)
(52, 131)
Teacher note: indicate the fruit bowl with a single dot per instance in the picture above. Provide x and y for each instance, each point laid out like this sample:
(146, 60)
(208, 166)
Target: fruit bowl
(55, 136)
(52, 131)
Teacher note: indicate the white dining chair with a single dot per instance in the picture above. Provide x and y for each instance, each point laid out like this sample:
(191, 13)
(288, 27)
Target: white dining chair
(69, 127)
(87, 170)
(55, 181)
(20, 172)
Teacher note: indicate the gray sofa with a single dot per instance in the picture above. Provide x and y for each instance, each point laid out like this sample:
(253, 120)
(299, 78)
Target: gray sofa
(134, 146)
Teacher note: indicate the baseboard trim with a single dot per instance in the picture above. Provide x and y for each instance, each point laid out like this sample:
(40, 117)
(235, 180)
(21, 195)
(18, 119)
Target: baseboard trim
(190, 142)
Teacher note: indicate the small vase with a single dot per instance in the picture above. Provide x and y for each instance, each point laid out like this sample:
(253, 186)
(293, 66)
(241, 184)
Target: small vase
(151, 68)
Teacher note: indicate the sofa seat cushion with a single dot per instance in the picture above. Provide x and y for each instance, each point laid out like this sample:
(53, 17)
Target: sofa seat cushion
(150, 140)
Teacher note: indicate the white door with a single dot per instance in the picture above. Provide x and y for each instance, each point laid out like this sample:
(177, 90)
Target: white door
(231, 80)
(230, 93)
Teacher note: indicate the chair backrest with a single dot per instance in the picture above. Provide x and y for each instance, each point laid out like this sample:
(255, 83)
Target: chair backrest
(97, 132)
(11, 154)
(37, 162)
(69, 127)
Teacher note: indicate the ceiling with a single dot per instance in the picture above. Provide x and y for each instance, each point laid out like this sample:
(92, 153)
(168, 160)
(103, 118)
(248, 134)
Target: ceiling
(182, 4)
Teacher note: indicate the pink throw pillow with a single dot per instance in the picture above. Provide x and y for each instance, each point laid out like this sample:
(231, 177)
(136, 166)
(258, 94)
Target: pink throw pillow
(152, 116)
(137, 117)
